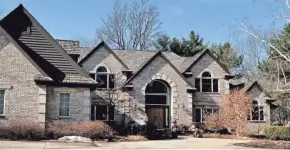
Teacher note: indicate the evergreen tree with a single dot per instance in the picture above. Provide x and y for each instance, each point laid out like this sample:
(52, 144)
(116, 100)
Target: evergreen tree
(227, 55)
(163, 43)
(282, 43)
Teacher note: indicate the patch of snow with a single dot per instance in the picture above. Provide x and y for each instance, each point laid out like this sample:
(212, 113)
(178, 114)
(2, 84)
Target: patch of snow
(78, 139)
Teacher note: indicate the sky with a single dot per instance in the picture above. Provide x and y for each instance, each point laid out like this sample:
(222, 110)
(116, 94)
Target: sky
(214, 20)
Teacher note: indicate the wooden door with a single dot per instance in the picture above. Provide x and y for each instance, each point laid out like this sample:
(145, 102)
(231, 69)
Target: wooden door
(156, 117)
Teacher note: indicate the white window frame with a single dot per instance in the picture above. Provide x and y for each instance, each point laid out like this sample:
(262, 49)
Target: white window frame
(108, 78)
(68, 105)
(259, 116)
(108, 73)
(108, 115)
(4, 101)
(211, 78)
(201, 112)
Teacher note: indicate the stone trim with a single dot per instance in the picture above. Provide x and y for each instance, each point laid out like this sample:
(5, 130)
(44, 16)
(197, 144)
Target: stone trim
(173, 95)
(5, 86)
(41, 105)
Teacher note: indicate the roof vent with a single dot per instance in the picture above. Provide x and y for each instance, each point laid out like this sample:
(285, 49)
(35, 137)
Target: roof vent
(28, 30)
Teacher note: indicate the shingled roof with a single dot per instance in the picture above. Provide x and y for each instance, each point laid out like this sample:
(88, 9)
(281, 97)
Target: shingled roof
(39, 45)
(134, 59)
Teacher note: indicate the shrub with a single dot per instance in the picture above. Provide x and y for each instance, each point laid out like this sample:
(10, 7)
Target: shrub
(21, 129)
(277, 133)
(89, 129)
(213, 121)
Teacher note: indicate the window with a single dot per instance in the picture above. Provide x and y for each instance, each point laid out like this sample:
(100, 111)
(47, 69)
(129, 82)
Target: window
(156, 93)
(102, 112)
(64, 104)
(206, 83)
(2, 92)
(103, 77)
(257, 112)
(200, 113)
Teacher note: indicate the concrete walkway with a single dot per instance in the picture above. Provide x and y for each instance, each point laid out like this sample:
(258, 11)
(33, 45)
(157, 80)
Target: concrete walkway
(181, 143)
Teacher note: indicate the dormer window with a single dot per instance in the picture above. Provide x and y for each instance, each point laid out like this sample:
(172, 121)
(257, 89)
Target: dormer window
(104, 77)
(207, 83)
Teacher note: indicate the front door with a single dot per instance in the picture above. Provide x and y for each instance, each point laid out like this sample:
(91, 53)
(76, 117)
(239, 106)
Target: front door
(157, 116)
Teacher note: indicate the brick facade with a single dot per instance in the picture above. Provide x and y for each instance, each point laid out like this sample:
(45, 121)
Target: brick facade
(26, 100)
(21, 99)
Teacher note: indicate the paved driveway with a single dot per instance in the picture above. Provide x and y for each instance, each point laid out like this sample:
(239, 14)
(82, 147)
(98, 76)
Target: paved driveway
(181, 143)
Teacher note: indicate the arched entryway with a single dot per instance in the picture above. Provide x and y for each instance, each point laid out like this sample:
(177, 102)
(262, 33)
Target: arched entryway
(157, 104)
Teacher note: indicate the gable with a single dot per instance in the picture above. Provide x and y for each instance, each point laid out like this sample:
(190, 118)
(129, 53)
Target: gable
(161, 65)
(257, 93)
(5, 40)
(15, 67)
(207, 63)
(102, 56)
(39, 45)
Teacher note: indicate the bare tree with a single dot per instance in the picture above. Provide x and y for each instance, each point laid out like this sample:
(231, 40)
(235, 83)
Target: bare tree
(235, 110)
(131, 26)
(263, 43)
(124, 104)
(274, 80)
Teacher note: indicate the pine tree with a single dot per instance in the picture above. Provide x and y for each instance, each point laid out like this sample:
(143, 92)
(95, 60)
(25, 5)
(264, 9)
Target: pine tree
(227, 55)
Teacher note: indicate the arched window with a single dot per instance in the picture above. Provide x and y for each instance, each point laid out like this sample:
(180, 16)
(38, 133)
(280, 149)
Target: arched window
(206, 83)
(156, 93)
(257, 111)
(104, 77)
(102, 69)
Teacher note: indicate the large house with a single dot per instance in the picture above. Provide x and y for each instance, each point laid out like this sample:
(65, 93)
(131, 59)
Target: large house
(40, 80)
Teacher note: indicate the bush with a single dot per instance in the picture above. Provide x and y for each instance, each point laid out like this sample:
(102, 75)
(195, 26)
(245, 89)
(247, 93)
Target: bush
(213, 121)
(277, 133)
(89, 129)
(21, 129)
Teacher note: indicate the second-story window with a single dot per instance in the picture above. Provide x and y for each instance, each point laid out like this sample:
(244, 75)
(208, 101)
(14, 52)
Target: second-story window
(207, 83)
(104, 78)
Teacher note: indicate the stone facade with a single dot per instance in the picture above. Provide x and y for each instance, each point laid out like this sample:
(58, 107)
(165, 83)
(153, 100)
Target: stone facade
(182, 102)
(157, 69)
(208, 100)
(256, 127)
(160, 69)
(79, 103)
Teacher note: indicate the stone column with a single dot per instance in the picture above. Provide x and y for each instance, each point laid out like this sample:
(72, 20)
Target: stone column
(87, 105)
